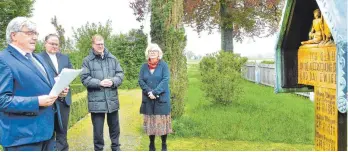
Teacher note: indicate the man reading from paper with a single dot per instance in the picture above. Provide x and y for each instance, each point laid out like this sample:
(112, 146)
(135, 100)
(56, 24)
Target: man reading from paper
(26, 108)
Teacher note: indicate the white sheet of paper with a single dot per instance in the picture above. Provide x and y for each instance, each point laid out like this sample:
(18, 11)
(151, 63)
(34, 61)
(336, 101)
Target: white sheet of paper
(65, 78)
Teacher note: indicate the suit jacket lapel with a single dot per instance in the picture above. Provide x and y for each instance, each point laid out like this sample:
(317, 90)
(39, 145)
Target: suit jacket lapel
(27, 63)
(48, 72)
(49, 61)
(60, 62)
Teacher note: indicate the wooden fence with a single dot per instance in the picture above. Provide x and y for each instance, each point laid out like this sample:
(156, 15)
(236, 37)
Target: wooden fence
(264, 74)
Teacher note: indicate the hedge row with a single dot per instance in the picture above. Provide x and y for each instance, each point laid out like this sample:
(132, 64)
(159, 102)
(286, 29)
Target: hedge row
(78, 107)
(77, 88)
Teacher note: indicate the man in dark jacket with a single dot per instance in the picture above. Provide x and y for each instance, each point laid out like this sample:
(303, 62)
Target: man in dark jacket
(57, 62)
(102, 75)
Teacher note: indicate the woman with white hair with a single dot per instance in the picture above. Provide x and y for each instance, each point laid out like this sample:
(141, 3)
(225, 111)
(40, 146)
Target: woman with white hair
(155, 106)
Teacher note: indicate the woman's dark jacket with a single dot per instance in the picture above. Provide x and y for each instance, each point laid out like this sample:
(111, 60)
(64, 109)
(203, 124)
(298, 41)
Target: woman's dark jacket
(158, 84)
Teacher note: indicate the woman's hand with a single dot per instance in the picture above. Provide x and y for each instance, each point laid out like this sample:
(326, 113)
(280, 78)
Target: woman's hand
(151, 96)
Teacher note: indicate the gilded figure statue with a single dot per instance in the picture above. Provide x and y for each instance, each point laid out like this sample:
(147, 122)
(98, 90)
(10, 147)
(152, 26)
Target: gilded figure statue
(320, 32)
(327, 37)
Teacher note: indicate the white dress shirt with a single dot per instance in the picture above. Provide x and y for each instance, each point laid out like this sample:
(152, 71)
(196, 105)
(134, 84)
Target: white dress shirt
(54, 60)
(23, 53)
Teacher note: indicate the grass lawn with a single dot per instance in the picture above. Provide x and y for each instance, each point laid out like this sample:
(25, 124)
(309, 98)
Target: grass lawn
(201, 144)
(260, 120)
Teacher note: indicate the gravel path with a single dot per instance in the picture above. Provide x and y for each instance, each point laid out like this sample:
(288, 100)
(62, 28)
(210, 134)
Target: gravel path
(80, 136)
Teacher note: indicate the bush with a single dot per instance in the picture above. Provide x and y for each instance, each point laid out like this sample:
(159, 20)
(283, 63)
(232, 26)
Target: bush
(83, 37)
(221, 77)
(77, 88)
(129, 50)
(267, 62)
(78, 108)
(129, 84)
(168, 32)
(39, 47)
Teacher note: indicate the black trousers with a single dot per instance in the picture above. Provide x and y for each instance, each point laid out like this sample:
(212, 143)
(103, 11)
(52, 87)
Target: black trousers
(48, 145)
(61, 135)
(98, 130)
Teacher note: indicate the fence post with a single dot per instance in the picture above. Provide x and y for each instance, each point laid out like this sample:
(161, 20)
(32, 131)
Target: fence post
(257, 73)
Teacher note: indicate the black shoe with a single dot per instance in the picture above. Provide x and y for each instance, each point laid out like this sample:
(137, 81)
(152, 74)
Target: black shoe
(152, 147)
(164, 147)
(116, 147)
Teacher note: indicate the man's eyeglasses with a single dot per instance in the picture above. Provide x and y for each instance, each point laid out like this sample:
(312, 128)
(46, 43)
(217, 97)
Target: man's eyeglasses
(153, 51)
(30, 33)
(54, 44)
(99, 44)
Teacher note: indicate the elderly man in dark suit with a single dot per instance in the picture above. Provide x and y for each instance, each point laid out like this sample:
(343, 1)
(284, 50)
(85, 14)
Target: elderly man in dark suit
(57, 61)
(26, 108)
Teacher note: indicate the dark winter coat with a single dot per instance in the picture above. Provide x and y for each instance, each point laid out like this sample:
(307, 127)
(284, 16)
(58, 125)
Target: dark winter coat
(95, 69)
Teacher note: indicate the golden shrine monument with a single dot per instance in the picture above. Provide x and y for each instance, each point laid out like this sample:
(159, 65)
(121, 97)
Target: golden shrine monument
(311, 56)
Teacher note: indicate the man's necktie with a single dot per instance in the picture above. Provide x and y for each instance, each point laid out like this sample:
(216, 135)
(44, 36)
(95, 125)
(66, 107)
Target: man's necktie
(42, 71)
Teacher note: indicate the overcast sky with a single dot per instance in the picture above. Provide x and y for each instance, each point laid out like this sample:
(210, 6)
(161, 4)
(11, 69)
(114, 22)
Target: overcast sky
(75, 13)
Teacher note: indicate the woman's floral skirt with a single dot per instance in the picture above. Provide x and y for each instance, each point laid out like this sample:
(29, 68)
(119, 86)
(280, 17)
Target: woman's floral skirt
(157, 124)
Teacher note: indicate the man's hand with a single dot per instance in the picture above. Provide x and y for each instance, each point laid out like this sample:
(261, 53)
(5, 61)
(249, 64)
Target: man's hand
(56, 78)
(64, 93)
(106, 83)
(47, 100)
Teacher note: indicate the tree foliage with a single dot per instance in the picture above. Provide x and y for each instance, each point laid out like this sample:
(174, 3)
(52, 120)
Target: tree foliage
(129, 49)
(140, 8)
(10, 9)
(247, 18)
(168, 32)
(66, 44)
(189, 54)
(60, 31)
(83, 38)
(39, 47)
(237, 19)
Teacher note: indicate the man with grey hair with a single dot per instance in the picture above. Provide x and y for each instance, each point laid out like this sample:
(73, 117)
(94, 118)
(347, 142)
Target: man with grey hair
(26, 108)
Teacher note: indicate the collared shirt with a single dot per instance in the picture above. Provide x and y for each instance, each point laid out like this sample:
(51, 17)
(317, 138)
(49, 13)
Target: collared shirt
(101, 55)
(54, 60)
(23, 53)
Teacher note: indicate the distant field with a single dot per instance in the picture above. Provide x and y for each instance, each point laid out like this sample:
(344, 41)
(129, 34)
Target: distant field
(259, 60)
(193, 61)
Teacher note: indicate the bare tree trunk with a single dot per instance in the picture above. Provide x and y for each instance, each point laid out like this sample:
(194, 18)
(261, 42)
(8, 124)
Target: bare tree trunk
(226, 39)
(226, 30)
